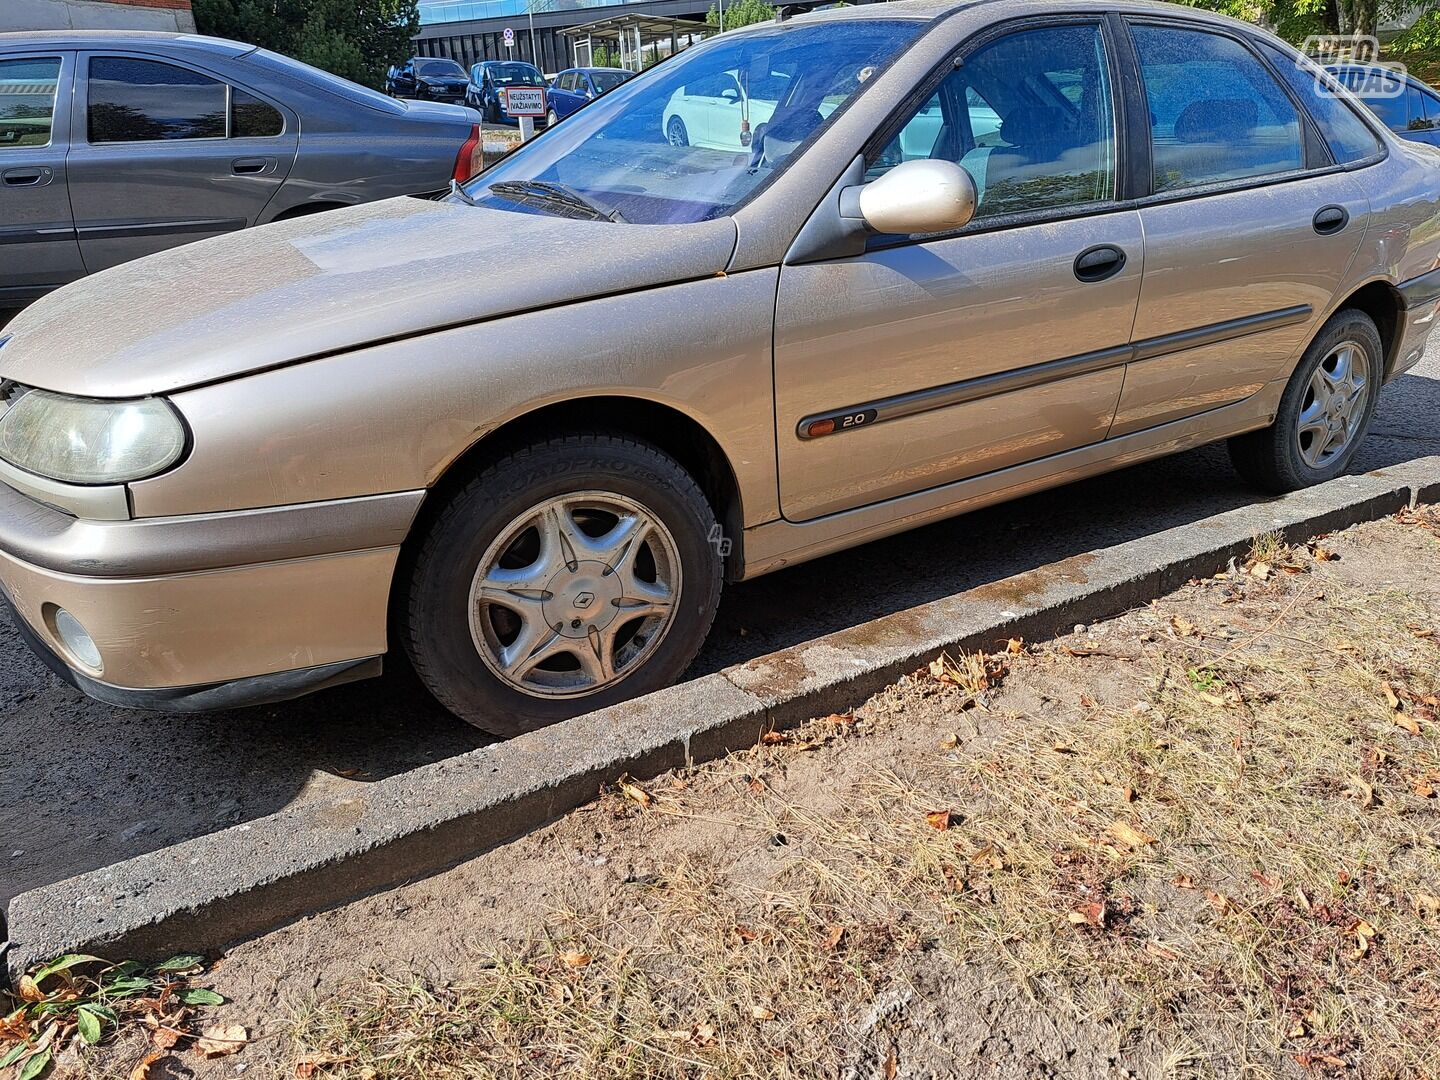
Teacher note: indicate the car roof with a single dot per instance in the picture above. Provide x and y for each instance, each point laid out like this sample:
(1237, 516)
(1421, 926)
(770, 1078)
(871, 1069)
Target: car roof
(110, 39)
(627, 71)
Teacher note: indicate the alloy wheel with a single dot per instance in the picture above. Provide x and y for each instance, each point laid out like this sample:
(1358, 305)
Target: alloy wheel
(575, 594)
(1334, 404)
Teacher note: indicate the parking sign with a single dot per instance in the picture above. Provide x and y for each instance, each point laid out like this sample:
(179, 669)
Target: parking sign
(525, 100)
(509, 38)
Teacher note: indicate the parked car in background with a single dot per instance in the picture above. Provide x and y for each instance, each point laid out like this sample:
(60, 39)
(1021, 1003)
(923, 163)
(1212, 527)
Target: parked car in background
(574, 87)
(116, 145)
(489, 77)
(428, 78)
(245, 470)
(1403, 103)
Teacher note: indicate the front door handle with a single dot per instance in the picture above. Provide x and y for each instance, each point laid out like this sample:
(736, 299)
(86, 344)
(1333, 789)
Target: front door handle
(251, 166)
(1330, 219)
(26, 177)
(1099, 262)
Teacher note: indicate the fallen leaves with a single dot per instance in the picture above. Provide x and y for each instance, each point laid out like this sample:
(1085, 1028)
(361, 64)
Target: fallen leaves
(307, 1066)
(1093, 915)
(833, 936)
(221, 1040)
(939, 819)
(634, 792)
(973, 673)
(575, 959)
(1129, 835)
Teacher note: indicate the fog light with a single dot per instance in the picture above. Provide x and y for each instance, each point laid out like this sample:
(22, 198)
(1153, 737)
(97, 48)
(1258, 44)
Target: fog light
(76, 639)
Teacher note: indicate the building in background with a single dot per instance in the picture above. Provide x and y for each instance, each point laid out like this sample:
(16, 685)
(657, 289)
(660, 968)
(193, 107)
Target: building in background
(162, 15)
(473, 30)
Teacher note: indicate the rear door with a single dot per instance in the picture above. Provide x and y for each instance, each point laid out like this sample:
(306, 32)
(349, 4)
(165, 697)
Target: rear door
(1249, 228)
(38, 250)
(165, 153)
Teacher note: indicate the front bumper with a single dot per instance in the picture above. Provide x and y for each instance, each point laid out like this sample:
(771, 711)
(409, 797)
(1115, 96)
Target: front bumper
(1419, 302)
(210, 611)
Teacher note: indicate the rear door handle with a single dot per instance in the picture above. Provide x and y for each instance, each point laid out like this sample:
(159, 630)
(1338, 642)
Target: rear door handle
(1330, 219)
(1099, 262)
(251, 166)
(26, 177)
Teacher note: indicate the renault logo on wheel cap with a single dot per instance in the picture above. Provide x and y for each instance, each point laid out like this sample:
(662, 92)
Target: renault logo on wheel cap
(584, 600)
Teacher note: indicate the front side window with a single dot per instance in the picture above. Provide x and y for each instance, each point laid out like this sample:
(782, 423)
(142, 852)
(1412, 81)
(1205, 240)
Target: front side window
(134, 100)
(1344, 132)
(626, 154)
(1030, 117)
(27, 100)
(1216, 113)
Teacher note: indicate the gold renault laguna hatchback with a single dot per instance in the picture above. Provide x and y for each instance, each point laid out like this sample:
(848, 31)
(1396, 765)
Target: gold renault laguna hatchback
(804, 285)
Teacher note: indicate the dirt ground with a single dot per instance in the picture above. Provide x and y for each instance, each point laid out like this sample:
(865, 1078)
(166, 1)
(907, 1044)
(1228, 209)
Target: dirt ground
(1197, 840)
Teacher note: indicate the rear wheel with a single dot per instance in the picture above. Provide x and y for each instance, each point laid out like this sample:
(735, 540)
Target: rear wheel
(569, 575)
(676, 133)
(1324, 413)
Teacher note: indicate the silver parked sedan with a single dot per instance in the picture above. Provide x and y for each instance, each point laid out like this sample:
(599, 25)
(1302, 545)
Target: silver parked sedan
(115, 145)
(962, 252)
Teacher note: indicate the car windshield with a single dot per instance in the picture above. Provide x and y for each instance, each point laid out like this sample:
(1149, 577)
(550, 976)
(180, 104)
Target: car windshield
(511, 74)
(438, 67)
(607, 80)
(693, 137)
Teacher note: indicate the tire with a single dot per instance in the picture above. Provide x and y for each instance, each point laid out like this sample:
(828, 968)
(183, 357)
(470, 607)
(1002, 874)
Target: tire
(676, 133)
(498, 581)
(1324, 413)
(492, 112)
(551, 119)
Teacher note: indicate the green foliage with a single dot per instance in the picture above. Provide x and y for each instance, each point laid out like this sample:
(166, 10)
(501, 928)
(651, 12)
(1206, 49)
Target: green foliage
(604, 56)
(740, 13)
(357, 39)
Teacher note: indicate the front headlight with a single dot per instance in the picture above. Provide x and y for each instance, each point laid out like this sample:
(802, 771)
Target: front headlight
(84, 441)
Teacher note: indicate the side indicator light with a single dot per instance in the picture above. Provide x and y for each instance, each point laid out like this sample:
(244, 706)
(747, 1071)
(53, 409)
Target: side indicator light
(820, 427)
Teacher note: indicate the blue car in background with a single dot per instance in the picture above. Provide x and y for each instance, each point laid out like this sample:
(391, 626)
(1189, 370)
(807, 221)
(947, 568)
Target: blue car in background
(1403, 103)
(489, 77)
(574, 87)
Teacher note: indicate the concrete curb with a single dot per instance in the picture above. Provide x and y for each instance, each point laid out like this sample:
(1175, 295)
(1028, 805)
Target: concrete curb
(208, 892)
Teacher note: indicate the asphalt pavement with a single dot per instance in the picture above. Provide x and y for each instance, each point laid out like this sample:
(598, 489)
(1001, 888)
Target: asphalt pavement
(83, 784)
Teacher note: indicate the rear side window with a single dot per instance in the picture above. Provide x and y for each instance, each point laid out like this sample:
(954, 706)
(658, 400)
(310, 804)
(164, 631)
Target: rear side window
(1216, 113)
(1345, 133)
(27, 101)
(142, 100)
(251, 118)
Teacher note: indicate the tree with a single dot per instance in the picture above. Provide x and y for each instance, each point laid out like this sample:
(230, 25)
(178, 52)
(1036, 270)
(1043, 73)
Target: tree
(740, 13)
(354, 38)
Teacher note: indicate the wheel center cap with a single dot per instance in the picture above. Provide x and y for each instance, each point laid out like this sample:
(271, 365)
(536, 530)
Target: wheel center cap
(582, 598)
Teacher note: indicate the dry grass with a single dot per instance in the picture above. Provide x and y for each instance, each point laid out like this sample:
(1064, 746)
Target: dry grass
(1211, 831)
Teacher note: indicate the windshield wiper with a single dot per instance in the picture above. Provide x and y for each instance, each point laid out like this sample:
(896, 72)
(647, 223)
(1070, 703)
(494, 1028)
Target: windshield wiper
(544, 191)
(459, 192)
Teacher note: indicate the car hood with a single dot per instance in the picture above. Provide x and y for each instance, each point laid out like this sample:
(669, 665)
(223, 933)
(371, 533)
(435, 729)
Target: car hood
(273, 295)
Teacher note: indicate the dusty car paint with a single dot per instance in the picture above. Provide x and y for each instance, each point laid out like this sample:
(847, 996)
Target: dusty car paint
(349, 359)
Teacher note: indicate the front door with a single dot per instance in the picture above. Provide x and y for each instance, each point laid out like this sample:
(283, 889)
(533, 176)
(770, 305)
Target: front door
(941, 358)
(38, 250)
(164, 154)
(1236, 280)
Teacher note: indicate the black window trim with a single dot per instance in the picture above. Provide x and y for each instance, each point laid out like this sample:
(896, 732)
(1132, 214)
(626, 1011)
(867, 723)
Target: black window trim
(1124, 199)
(164, 58)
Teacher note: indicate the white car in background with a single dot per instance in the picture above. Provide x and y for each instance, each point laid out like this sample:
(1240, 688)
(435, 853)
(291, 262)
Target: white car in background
(711, 113)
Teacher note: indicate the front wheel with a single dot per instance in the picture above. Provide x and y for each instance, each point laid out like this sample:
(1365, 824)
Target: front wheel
(568, 576)
(551, 119)
(1324, 413)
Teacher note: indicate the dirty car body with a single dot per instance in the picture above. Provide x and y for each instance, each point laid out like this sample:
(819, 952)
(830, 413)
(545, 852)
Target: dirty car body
(972, 251)
(115, 145)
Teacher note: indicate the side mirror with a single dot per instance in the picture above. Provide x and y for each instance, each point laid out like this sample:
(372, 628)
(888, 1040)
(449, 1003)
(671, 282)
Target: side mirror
(920, 196)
